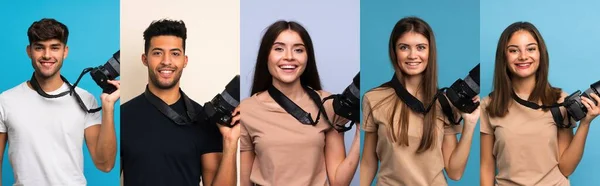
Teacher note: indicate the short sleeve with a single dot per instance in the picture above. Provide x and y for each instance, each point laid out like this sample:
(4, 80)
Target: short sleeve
(485, 125)
(245, 139)
(2, 118)
(95, 118)
(368, 120)
(213, 136)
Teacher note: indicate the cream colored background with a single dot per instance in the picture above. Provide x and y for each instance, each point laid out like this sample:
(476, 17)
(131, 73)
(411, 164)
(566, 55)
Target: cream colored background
(212, 46)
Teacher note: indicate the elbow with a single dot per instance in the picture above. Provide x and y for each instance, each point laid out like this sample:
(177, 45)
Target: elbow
(454, 175)
(565, 171)
(105, 167)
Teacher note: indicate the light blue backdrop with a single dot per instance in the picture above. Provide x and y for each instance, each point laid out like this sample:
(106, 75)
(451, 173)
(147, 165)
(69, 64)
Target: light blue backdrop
(334, 29)
(570, 31)
(93, 38)
(456, 28)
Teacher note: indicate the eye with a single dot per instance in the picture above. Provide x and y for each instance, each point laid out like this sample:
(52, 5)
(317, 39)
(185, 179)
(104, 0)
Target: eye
(421, 47)
(531, 49)
(512, 50)
(156, 53)
(299, 50)
(403, 47)
(278, 49)
(55, 48)
(176, 54)
(37, 48)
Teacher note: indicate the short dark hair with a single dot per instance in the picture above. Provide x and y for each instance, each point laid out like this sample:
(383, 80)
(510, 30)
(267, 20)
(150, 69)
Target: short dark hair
(263, 78)
(47, 29)
(165, 27)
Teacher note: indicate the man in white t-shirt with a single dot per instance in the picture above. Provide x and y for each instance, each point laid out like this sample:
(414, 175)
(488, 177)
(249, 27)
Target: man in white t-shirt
(46, 133)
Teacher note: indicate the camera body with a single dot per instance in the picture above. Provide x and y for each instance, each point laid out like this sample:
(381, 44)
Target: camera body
(109, 71)
(219, 109)
(462, 92)
(347, 104)
(573, 102)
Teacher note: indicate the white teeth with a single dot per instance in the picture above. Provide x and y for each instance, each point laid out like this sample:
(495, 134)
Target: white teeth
(166, 71)
(523, 64)
(287, 66)
(413, 63)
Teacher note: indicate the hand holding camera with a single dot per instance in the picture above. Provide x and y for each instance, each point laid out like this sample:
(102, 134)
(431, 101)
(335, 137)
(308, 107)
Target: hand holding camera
(583, 105)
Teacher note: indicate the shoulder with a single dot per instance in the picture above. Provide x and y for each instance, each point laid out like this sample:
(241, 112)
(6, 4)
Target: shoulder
(378, 93)
(14, 91)
(83, 93)
(135, 102)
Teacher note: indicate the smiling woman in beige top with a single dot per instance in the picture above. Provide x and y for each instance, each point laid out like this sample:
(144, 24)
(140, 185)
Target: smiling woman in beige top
(412, 148)
(277, 148)
(524, 145)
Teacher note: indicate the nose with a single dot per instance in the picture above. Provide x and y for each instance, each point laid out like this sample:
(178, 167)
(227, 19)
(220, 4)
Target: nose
(46, 54)
(522, 56)
(412, 54)
(288, 55)
(166, 60)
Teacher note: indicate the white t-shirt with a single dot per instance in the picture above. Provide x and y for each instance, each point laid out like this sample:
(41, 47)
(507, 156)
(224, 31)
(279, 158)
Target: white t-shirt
(45, 135)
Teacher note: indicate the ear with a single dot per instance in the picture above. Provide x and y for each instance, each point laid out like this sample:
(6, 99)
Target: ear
(185, 62)
(28, 50)
(144, 59)
(66, 52)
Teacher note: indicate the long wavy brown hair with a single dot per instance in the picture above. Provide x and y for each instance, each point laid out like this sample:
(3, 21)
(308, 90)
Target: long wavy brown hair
(428, 86)
(500, 97)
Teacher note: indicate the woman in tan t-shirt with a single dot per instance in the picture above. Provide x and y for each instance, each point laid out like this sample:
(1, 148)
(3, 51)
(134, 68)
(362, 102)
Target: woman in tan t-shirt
(276, 148)
(524, 145)
(412, 148)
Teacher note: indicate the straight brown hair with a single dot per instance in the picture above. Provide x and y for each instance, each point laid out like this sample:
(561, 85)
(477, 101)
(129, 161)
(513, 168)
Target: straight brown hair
(428, 84)
(500, 97)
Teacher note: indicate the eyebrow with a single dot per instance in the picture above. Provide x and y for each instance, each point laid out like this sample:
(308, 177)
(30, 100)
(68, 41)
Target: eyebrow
(52, 45)
(530, 44)
(161, 49)
(281, 43)
(408, 44)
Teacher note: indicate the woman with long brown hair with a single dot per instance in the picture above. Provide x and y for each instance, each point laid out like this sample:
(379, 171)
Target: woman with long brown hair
(278, 146)
(410, 147)
(527, 146)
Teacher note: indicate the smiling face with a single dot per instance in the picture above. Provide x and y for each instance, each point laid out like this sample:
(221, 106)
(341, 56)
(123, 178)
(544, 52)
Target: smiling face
(287, 58)
(522, 54)
(412, 53)
(47, 57)
(165, 60)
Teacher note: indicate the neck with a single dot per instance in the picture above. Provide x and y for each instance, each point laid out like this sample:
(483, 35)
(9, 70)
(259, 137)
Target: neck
(49, 84)
(523, 86)
(293, 91)
(169, 96)
(412, 84)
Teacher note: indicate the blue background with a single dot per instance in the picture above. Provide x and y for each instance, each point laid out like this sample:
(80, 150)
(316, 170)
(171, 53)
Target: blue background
(93, 38)
(570, 31)
(333, 26)
(456, 28)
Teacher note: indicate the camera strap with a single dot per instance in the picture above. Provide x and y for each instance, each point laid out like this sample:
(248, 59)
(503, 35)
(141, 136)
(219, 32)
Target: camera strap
(412, 102)
(554, 109)
(446, 107)
(290, 107)
(163, 108)
(36, 86)
(339, 128)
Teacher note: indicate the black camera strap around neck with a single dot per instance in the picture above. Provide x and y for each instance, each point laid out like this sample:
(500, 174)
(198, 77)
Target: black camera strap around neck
(293, 109)
(411, 101)
(166, 110)
(554, 109)
(36, 86)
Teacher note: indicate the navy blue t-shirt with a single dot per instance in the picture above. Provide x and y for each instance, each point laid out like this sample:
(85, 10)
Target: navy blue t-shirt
(157, 151)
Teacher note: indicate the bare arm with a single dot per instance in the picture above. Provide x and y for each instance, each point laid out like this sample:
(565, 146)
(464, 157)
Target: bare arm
(456, 153)
(487, 161)
(369, 161)
(101, 139)
(3, 139)
(340, 169)
(226, 173)
(246, 161)
(571, 147)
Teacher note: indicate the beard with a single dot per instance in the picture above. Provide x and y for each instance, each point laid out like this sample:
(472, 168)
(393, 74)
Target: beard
(154, 79)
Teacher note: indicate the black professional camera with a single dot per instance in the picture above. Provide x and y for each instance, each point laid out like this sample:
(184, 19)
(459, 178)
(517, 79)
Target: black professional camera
(347, 104)
(219, 109)
(109, 71)
(462, 92)
(574, 105)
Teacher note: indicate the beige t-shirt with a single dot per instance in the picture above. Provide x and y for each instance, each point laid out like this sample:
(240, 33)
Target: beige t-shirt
(287, 151)
(525, 146)
(401, 165)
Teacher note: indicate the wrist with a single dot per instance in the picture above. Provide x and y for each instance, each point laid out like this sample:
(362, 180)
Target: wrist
(106, 106)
